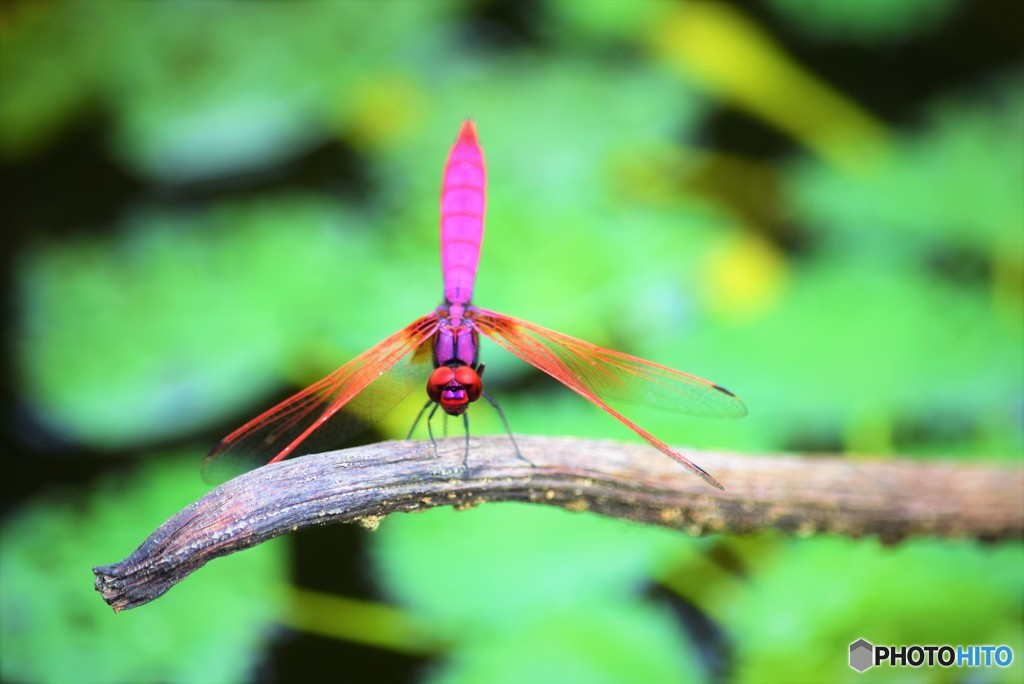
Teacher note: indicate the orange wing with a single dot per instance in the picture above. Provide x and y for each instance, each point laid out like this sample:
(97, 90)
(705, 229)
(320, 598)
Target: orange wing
(600, 375)
(340, 405)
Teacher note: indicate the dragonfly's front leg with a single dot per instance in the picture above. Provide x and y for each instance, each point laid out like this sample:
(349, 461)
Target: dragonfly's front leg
(430, 429)
(465, 453)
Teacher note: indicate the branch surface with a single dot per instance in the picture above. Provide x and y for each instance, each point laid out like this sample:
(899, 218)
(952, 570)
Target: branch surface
(892, 498)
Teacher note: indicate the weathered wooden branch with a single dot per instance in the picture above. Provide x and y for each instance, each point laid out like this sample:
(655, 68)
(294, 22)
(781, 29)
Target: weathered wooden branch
(890, 498)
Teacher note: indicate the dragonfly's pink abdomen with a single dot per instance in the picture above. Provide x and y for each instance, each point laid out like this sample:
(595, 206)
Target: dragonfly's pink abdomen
(463, 196)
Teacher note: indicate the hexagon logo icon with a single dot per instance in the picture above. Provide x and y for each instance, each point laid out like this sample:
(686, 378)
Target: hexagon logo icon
(861, 655)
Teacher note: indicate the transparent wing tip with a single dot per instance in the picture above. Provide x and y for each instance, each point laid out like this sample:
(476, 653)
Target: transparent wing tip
(708, 478)
(722, 389)
(740, 409)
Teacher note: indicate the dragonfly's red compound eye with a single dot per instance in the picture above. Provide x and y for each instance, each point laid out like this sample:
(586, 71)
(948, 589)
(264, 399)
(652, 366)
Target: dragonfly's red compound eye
(468, 378)
(438, 380)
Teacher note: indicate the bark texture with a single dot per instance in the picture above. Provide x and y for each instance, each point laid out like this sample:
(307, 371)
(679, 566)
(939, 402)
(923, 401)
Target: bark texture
(892, 498)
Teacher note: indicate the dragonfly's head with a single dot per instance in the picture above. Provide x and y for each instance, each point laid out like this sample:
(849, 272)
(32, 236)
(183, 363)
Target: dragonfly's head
(454, 388)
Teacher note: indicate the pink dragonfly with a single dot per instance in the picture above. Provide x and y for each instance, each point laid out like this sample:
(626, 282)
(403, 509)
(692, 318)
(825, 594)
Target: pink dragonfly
(446, 339)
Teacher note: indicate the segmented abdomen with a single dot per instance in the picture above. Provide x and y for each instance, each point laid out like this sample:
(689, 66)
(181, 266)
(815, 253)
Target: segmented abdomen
(463, 196)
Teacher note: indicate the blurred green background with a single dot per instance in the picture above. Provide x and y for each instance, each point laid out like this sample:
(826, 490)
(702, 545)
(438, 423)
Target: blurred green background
(212, 204)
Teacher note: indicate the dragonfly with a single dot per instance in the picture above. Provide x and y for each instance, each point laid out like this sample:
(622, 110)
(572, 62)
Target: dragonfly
(444, 347)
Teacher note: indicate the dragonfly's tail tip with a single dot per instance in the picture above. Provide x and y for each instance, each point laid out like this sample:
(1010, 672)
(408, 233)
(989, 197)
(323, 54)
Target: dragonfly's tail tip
(468, 131)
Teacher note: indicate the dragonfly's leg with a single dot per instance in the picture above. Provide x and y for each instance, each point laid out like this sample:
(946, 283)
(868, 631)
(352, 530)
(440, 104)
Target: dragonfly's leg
(508, 430)
(465, 453)
(430, 429)
(419, 417)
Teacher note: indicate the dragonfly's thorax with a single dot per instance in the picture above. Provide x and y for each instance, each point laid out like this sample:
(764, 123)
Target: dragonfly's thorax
(456, 340)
